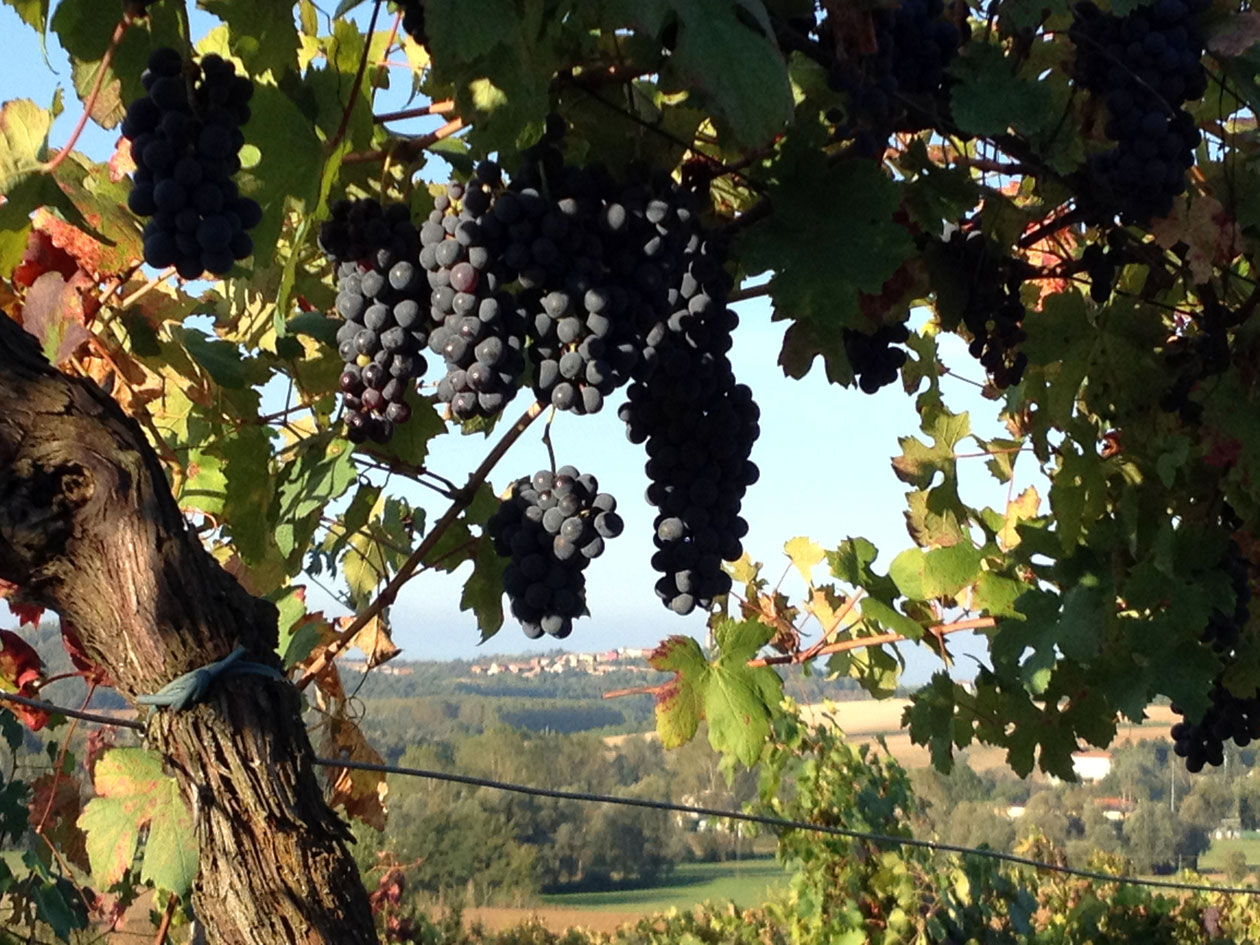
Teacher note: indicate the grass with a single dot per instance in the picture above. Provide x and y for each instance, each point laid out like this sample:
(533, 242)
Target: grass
(1214, 858)
(746, 883)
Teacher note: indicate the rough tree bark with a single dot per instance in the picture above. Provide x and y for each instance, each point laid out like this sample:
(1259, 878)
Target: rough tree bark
(89, 529)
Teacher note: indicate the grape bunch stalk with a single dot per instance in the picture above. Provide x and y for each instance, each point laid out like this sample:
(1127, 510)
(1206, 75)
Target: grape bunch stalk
(185, 133)
(381, 293)
(551, 526)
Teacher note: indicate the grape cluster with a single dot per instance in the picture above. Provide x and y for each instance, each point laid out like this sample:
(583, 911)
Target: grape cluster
(551, 527)
(1144, 65)
(478, 328)
(873, 357)
(992, 310)
(185, 153)
(1223, 630)
(1101, 266)
(914, 44)
(1228, 717)
(699, 427)
(381, 293)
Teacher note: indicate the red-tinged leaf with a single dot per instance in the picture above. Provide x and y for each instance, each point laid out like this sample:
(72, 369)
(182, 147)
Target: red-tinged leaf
(70, 242)
(20, 671)
(680, 703)
(132, 792)
(99, 741)
(92, 670)
(41, 256)
(54, 807)
(28, 615)
(53, 313)
(121, 163)
(20, 665)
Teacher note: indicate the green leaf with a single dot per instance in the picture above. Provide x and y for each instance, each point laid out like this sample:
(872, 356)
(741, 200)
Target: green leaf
(316, 325)
(221, 359)
(132, 792)
(988, 98)
(831, 237)
(323, 472)
(468, 29)
(941, 572)
(265, 34)
(727, 50)
(247, 507)
(205, 488)
(483, 591)
(736, 699)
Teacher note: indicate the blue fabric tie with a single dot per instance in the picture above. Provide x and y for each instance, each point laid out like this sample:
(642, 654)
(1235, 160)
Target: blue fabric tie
(191, 687)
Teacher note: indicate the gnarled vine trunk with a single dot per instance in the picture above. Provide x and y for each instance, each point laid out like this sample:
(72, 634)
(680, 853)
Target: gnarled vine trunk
(89, 528)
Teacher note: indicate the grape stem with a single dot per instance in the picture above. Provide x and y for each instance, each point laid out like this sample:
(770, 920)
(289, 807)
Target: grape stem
(463, 498)
(752, 292)
(164, 927)
(406, 148)
(546, 438)
(442, 107)
(938, 631)
(90, 103)
(358, 81)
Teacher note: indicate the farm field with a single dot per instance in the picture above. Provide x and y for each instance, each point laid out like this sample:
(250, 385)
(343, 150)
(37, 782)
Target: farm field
(745, 883)
(1213, 860)
(865, 720)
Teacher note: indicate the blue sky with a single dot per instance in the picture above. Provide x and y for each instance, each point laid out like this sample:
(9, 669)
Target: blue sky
(824, 456)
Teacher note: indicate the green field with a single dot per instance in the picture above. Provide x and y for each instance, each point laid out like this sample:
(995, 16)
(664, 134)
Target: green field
(1214, 859)
(745, 883)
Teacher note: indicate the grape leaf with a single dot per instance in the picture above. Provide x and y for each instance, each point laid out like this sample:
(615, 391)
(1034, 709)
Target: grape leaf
(831, 237)
(679, 703)
(940, 572)
(34, 13)
(266, 33)
(988, 98)
(736, 699)
(483, 591)
(360, 793)
(132, 792)
(724, 49)
(805, 554)
(469, 29)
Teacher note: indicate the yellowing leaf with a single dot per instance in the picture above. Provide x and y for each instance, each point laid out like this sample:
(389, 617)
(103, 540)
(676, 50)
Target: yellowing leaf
(805, 554)
(24, 130)
(360, 793)
(132, 792)
(745, 570)
(374, 641)
(1023, 507)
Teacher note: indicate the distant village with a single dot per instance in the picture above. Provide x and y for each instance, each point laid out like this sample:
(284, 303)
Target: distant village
(622, 659)
(591, 664)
